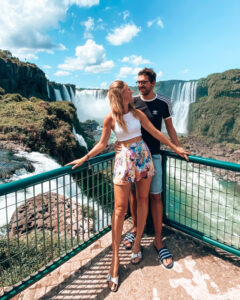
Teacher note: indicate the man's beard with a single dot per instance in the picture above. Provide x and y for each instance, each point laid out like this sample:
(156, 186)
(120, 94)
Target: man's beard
(144, 91)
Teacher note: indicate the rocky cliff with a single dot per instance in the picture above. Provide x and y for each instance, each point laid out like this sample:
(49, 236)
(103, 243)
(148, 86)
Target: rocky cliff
(42, 126)
(216, 113)
(28, 80)
(22, 77)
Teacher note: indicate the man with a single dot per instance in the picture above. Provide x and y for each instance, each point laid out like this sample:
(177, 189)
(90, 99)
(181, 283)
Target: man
(157, 108)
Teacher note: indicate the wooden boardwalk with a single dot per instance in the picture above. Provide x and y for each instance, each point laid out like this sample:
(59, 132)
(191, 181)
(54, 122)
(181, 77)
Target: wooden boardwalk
(200, 272)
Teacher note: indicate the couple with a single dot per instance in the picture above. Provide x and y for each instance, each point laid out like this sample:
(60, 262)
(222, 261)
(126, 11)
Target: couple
(133, 163)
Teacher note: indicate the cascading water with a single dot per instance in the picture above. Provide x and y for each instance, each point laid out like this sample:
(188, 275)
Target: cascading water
(58, 95)
(66, 95)
(48, 90)
(91, 104)
(80, 139)
(182, 96)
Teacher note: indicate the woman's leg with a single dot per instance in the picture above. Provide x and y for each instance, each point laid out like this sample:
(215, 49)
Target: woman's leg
(142, 191)
(121, 195)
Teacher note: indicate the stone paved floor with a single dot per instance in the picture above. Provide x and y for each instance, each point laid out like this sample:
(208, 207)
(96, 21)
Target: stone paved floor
(199, 272)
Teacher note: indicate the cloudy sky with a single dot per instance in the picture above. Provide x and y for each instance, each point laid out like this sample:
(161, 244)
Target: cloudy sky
(90, 43)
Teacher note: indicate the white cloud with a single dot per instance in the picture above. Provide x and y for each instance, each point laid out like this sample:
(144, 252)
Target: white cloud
(61, 73)
(156, 21)
(103, 85)
(160, 74)
(104, 67)
(185, 71)
(90, 57)
(149, 23)
(24, 25)
(126, 71)
(86, 3)
(135, 60)
(123, 34)
(89, 26)
(47, 67)
(126, 14)
(160, 23)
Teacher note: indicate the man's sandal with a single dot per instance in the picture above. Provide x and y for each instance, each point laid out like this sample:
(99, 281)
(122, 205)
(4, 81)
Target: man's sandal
(138, 255)
(164, 253)
(129, 239)
(114, 280)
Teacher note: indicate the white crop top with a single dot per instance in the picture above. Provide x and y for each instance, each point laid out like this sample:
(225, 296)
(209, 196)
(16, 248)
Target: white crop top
(133, 128)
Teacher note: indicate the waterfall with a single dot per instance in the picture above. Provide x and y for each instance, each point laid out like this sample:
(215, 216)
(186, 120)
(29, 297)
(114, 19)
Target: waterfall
(71, 93)
(91, 104)
(48, 90)
(58, 95)
(80, 139)
(182, 96)
(66, 95)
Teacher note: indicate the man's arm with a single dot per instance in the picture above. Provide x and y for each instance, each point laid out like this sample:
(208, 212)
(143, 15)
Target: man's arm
(172, 132)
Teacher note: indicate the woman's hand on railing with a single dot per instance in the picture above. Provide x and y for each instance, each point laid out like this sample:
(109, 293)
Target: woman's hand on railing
(183, 152)
(76, 163)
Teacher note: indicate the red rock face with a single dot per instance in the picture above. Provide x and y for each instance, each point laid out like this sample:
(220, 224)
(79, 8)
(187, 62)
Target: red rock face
(50, 212)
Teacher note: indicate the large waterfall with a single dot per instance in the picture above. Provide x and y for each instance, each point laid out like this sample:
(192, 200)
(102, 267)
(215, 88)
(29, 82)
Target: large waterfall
(183, 94)
(91, 104)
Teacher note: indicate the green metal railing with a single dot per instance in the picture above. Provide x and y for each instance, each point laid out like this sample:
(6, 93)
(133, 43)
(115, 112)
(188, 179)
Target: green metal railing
(202, 198)
(48, 218)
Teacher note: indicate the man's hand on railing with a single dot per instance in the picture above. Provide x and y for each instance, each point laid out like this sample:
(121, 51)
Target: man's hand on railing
(117, 146)
(183, 152)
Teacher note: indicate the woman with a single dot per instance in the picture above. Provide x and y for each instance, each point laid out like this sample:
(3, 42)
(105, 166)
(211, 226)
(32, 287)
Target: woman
(132, 164)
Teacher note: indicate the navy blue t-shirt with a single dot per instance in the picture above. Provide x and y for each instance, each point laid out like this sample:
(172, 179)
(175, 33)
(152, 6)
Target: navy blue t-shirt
(156, 110)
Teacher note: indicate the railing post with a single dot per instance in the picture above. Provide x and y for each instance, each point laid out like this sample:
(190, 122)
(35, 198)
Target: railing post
(164, 183)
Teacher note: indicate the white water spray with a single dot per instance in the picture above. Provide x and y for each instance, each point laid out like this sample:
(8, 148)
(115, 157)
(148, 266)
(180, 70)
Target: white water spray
(91, 105)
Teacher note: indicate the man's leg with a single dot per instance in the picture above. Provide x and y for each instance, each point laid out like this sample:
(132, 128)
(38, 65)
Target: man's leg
(157, 206)
(133, 209)
(157, 214)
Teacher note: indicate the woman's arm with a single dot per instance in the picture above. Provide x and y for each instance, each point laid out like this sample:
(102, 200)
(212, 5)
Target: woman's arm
(147, 125)
(99, 147)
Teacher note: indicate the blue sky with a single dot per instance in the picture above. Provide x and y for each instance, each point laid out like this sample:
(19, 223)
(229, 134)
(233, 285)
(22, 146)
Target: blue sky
(90, 43)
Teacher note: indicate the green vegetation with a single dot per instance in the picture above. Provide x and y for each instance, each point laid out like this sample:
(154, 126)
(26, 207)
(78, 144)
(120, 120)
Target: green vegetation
(42, 126)
(7, 55)
(216, 114)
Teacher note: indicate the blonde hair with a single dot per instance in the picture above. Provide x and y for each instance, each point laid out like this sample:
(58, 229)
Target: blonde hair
(116, 103)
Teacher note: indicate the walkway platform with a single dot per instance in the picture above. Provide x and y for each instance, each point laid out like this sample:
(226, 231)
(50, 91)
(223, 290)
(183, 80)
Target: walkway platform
(200, 272)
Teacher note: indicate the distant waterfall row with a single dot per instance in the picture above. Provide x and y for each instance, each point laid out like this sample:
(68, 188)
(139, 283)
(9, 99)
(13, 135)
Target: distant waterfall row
(93, 104)
(63, 93)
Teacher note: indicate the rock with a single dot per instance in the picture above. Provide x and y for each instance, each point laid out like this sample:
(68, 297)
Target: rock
(22, 77)
(10, 163)
(51, 212)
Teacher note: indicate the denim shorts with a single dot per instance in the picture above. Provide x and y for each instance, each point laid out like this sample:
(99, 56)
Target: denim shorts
(156, 184)
(133, 163)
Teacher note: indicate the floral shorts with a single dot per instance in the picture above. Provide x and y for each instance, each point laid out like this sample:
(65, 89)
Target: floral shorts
(133, 163)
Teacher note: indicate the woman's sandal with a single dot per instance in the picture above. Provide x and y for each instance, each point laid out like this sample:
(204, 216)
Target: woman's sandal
(129, 238)
(138, 255)
(114, 280)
